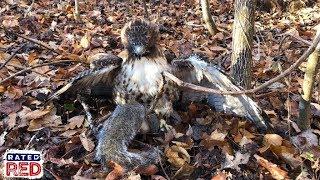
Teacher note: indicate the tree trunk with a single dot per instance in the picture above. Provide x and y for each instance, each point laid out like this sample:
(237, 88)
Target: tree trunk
(242, 37)
(304, 120)
(207, 18)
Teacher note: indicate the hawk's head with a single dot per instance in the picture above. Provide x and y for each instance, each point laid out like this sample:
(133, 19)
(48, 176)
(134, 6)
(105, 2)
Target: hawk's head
(140, 37)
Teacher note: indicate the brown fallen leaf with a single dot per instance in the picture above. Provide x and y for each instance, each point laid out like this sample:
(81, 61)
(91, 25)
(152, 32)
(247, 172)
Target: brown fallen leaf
(217, 136)
(177, 156)
(74, 122)
(116, 173)
(157, 177)
(272, 139)
(69, 133)
(10, 21)
(148, 171)
(86, 142)
(276, 172)
(133, 177)
(219, 176)
(36, 114)
(185, 171)
(13, 92)
(85, 41)
(2, 89)
(233, 162)
(9, 105)
(11, 120)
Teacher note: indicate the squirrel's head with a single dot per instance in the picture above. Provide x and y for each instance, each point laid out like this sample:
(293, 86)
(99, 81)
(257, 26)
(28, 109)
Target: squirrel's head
(140, 37)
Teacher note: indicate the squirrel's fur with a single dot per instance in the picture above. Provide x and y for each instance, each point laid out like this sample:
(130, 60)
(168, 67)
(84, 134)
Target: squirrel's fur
(117, 132)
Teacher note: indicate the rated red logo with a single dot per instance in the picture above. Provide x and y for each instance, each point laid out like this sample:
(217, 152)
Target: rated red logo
(23, 164)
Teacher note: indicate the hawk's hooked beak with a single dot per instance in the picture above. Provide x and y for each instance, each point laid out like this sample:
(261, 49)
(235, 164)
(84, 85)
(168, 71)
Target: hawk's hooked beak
(139, 50)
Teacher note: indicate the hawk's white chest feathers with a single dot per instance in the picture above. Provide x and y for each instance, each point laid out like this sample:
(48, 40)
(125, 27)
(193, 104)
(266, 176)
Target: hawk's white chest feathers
(141, 78)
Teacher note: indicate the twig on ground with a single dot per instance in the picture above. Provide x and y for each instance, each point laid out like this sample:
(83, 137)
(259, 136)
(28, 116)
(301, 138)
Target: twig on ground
(20, 67)
(250, 91)
(31, 140)
(281, 42)
(291, 68)
(301, 39)
(12, 56)
(37, 42)
(35, 66)
(294, 37)
(52, 174)
(161, 165)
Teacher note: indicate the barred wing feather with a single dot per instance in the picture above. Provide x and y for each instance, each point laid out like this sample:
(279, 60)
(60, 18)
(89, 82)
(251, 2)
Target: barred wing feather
(208, 75)
(102, 72)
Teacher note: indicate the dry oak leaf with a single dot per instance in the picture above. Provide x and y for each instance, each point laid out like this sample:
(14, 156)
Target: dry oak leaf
(147, 171)
(233, 162)
(276, 172)
(85, 41)
(36, 114)
(69, 133)
(86, 142)
(157, 177)
(74, 122)
(13, 92)
(219, 176)
(273, 140)
(10, 21)
(217, 136)
(185, 171)
(177, 156)
(116, 173)
(11, 120)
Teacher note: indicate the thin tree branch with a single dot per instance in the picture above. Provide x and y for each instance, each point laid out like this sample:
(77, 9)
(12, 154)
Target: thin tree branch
(292, 67)
(37, 42)
(35, 66)
(183, 84)
(12, 56)
(300, 39)
(20, 67)
(161, 165)
(250, 91)
(294, 37)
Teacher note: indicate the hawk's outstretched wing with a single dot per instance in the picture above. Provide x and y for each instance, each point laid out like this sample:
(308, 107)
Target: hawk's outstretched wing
(103, 69)
(195, 69)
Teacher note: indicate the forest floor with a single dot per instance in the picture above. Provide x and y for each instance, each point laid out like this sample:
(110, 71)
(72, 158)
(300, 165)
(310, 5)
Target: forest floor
(205, 144)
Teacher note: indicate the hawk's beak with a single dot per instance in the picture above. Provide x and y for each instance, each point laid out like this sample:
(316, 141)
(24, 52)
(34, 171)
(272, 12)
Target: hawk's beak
(139, 50)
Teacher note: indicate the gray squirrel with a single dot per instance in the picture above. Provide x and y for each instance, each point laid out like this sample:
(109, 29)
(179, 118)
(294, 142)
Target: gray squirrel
(117, 132)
